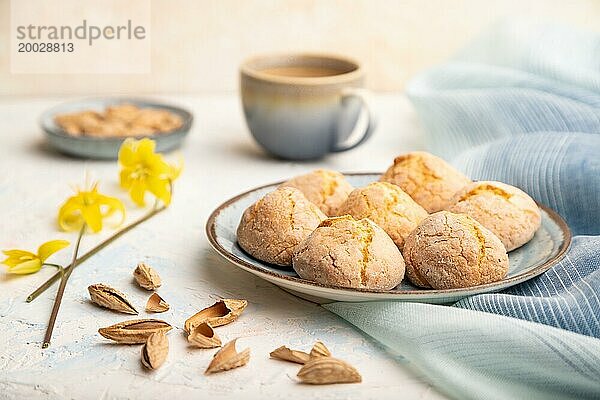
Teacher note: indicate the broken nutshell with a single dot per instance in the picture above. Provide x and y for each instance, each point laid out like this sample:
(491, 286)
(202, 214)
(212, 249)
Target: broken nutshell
(222, 312)
(286, 354)
(156, 304)
(204, 336)
(228, 358)
(319, 350)
(328, 370)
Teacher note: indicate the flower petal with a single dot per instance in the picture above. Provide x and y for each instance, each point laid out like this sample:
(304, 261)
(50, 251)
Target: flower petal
(51, 247)
(158, 167)
(112, 205)
(137, 191)
(27, 267)
(93, 217)
(127, 154)
(16, 257)
(145, 170)
(72, 222)
(125, 178)
(18, 254)
(145, 149)
(11, 262)
(160, 188)
(70, 215)
(176, 169)
(89, 207)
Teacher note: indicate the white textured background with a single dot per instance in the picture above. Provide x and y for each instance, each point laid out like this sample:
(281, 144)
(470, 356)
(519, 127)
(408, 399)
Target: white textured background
(197, 45)
(220, 161)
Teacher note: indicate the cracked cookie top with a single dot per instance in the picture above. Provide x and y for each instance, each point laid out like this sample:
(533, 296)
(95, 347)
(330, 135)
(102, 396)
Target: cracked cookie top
(327, 189)
(272, 227)
(352, 253)
(505, 210)
(388, 206)
(428, 179)
(449, 251)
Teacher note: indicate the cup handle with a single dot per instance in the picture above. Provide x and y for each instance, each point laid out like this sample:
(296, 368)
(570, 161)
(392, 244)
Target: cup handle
(365, 123)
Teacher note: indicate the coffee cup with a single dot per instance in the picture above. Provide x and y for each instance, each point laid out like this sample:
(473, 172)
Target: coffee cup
(304, 106)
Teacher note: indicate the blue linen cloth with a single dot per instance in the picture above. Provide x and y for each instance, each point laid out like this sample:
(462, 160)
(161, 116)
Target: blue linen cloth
(521, 105)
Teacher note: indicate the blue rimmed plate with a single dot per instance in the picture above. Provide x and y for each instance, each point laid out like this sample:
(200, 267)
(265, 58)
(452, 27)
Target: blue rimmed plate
(108, 148)
(546, 248)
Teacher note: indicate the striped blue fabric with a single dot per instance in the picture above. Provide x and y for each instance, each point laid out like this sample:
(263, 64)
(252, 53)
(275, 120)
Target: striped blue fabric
(474, 355)
(520, 105)
(559, 170)
(553, 72)
(567, 296)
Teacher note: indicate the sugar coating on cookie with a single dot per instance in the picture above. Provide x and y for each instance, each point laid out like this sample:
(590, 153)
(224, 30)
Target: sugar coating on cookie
(272, 227)
(327, 189)
(388, 206)
(428, 179)
(449, 251)
(505, 210)
(349, 253)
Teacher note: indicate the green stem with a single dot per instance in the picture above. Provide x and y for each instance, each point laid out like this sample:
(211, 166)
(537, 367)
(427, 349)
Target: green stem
(91, 252)
(59, 267)
(61, 291)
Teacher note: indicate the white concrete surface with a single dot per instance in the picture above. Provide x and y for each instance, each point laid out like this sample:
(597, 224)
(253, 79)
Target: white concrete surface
(221, 161)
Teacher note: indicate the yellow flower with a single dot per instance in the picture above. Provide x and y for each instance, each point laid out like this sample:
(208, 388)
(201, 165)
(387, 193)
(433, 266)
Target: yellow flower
(144, 170)
(25, 262)
(88, 207)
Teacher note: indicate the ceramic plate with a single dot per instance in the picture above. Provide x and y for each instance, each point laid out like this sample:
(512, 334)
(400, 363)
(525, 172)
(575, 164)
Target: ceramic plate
(546, 248)
(108, 148)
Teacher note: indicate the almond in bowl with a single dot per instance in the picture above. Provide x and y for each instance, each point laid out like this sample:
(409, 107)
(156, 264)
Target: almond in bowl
(123, 120)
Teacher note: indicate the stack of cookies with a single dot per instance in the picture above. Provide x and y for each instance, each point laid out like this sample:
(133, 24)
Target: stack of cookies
(423, 217)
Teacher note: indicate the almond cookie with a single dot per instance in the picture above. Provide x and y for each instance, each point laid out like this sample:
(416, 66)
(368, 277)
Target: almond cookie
(388, 206)
(505, 210)
(327, 189)
(428, 179)
(449, 251)
(272, 227)
(349, 253)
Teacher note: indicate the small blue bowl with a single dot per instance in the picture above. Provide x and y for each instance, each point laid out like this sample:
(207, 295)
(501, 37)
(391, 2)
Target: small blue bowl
(108, 148)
